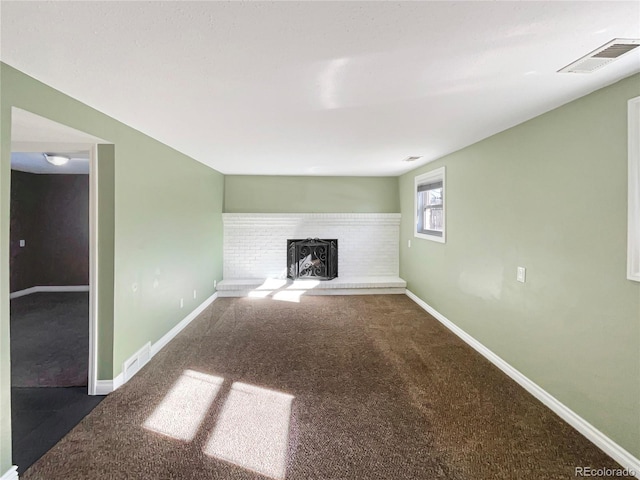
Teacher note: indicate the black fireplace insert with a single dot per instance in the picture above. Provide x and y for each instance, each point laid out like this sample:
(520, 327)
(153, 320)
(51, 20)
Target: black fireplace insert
(312, 258)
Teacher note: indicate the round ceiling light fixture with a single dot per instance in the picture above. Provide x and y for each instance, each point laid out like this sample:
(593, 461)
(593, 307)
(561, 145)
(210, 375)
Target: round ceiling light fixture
(56, 160)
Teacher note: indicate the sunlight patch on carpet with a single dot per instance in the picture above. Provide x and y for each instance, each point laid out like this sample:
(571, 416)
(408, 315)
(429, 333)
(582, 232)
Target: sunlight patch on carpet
(183, 408)
(253, 430)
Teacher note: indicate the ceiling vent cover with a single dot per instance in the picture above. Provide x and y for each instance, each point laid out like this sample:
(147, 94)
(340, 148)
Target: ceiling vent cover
(602, 56)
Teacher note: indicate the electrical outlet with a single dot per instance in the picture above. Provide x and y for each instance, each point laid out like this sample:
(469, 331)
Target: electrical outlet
(521, 274)
(409, 243)
(181, 302)
(22, 243)
(215, 283)
(195, 294)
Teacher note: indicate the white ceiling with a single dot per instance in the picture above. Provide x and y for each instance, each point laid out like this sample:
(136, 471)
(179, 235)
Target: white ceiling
(31, 132)
(317, 88)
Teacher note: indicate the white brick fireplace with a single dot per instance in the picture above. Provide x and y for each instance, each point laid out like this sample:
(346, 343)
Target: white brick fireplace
(255, 247)
(255, 244)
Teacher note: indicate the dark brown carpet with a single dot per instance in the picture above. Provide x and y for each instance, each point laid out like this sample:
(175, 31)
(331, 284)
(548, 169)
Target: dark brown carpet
(351, 387)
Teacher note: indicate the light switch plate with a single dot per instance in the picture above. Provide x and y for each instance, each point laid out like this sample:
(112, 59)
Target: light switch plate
(521, 275)
(22, 243)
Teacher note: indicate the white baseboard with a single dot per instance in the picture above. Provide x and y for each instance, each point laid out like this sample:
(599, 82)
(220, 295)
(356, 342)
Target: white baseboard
(140, 358)
(611, 448)
(135, 362)
(48, 288)
(11, 474)
(171, 334)
(118, 381)
(104, 387)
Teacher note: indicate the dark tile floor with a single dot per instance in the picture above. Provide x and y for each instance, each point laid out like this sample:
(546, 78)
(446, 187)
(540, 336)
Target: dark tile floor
(40, 417)
(49, 360)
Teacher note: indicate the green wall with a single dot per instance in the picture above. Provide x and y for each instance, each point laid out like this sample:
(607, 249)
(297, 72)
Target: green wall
(549, 195)
(281, 194)
(105, 260)
(161, 231)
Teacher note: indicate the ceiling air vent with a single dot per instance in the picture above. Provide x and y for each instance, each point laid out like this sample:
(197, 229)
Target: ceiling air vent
(602, 56)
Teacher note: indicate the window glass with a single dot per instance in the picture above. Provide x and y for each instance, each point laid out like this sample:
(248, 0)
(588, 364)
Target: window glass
(430, 210)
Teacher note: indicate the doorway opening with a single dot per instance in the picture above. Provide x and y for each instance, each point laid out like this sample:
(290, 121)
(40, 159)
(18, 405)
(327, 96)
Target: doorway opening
(53, 315)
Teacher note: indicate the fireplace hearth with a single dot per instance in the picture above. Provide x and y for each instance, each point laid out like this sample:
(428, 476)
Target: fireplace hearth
(312, 258)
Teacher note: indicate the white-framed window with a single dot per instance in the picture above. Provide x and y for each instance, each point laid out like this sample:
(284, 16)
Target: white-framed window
(633, 238)
(430, 205)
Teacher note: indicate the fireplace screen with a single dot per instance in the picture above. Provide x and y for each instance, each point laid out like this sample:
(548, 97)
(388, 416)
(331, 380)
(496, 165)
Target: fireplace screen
(312, 258)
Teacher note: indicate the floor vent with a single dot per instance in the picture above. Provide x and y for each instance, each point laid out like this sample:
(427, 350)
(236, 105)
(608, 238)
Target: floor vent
(602, 56)
(136, 362)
